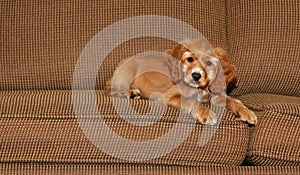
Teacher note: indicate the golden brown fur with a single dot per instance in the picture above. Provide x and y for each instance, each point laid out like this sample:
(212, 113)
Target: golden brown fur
(190, 75)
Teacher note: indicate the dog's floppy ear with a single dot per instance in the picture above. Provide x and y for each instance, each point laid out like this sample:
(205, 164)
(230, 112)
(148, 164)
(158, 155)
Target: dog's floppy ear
(169, 51)
(174, 64)
(228, 68)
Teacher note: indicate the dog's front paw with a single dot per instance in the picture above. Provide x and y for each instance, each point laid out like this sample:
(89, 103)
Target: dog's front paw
(205, 116)
(247, 115)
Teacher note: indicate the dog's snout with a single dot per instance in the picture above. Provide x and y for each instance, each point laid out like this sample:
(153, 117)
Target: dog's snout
(196, 76)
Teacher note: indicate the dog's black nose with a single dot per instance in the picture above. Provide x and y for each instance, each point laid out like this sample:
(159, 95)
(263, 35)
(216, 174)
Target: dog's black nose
(196, 76)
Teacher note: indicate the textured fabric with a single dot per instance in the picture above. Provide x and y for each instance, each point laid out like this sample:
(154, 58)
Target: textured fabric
(42, 40)
(41, 126)
(264, 39)
(260, 102)
(275, 140)
(121, 169)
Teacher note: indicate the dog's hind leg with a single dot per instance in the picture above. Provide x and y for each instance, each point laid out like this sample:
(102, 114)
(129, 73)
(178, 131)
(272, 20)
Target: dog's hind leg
(135, 94)
(120, 84)
(118, 88)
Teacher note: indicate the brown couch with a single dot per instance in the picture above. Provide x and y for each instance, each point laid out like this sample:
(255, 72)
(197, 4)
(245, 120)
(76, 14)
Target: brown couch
(41, 132)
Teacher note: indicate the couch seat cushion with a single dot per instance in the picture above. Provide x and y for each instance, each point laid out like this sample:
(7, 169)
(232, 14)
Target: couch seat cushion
(40, 126)
(275, 139)
(120, 169)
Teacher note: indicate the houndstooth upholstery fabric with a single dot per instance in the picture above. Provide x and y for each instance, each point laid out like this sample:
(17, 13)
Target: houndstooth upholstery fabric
(41, 41)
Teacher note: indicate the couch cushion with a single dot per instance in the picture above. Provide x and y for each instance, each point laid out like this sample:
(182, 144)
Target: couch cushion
(276, 139)
(42, 40)
(40, 126)
(120, 169)
(264, 39)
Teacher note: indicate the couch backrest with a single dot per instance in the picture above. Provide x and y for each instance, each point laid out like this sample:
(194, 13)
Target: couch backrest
(264, 44)
(41, 41)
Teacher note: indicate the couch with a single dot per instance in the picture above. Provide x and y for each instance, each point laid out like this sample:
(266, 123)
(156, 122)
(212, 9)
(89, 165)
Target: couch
(41, 132)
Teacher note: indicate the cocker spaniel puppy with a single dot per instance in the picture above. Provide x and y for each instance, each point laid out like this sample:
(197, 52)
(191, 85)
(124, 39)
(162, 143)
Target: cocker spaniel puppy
(192, 73)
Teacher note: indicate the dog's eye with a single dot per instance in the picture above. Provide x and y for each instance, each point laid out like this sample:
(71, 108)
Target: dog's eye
(208, 63)
(190, 59)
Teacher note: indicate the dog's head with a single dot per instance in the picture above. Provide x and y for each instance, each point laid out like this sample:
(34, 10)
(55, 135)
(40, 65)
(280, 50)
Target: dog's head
(199, 65)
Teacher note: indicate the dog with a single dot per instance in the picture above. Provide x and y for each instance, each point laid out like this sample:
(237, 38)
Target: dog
(185, 77)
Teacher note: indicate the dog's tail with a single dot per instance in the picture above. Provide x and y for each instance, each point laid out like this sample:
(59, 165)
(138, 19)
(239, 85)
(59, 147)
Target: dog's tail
(108, 86)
